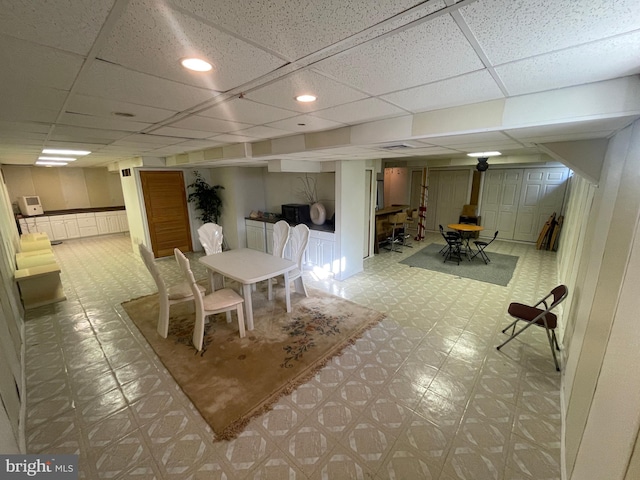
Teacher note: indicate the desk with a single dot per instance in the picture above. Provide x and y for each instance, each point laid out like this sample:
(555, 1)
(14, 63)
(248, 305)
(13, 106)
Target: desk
(248, 267)
(465, 228)
(383, 228)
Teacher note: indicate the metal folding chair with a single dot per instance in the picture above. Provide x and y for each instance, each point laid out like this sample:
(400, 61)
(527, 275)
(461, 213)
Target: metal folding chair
(532, 315)
(481, 245)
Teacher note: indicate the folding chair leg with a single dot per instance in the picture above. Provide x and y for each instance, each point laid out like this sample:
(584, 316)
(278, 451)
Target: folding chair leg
(551, 336)
(513, 335)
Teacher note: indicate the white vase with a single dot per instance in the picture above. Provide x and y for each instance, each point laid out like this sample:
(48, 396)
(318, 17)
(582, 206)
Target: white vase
(318, 214)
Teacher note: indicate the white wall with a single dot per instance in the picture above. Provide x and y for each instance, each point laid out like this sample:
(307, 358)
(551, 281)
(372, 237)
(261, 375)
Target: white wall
(600, 388)
(350, 208)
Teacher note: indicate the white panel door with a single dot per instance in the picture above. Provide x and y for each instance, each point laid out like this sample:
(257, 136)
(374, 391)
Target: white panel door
(542, 194)
(500, 198)
(453, 193)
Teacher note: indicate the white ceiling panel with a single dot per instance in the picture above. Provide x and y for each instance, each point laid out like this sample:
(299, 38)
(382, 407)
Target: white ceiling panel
(243, 110)
(365, 61)
(103, 107)
(360, 111)
(508, 30)
(262, 131)
(305, 124)
(42, 66)
(112, 123)
(68, 27)
(163, 36)
(470, 88)
(119, 84)
(283, 92)
(574, 66)
(208, 124)
(181, 133)
(296, 28)
(431, 51)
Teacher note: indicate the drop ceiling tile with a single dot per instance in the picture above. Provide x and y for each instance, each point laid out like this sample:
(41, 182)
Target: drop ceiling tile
(282, 93)
(73, 28)
(16, 112)
(596, 61)
(103, 107)
(113, 123)
(19, 127)
(163, 36)
(473, 87)
(116, 83)
(305, 124)
(208, 124)
(233, 138)
(262, 131)
(508, 30)
(296, 28)
(244, 110)
(431, 51)
(365, 110)
(181, 133)
(199, 144)
(13, 159)
(148, 138)
(609, 126)
(42, 66)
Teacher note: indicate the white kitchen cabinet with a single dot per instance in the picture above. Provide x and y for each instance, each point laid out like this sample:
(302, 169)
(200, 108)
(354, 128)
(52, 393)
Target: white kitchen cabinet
(322, 252)
(58, 228)
(256, 235)
(71, 225)
(114, 223)
(102, 223)
(43, 224)
(269, 237)
(123, 221)
(87, 224)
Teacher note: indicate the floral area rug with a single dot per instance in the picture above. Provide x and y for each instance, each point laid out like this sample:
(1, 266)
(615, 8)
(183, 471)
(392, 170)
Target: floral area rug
(234, 379)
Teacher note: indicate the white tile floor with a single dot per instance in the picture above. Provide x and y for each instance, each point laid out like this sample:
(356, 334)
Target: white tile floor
(424, 395)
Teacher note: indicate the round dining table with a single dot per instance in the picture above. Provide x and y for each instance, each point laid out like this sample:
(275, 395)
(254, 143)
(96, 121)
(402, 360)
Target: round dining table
(465, 230)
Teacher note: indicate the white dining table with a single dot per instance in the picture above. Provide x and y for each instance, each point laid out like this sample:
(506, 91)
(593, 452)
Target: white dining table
(248, 267)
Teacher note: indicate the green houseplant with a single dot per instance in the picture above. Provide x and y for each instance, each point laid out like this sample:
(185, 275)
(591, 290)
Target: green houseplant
(206, 199)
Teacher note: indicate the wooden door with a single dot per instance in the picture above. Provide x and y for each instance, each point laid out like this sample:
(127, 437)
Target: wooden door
(165, 201)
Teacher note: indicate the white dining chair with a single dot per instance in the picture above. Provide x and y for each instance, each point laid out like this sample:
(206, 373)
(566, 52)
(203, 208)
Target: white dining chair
(281, 231)
(299, 239)
(167, 296)
(210, 236)
(218, 301)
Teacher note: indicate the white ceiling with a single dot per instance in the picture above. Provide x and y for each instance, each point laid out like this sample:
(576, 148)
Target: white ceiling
(68, 69)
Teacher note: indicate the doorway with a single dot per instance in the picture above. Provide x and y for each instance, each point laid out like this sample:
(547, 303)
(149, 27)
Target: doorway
(165, 202)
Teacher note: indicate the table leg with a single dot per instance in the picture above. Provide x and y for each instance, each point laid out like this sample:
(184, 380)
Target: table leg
(287, 291)
(248, 307)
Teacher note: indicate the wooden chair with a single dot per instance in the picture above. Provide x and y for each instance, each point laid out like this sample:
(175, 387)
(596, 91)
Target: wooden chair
(533, 315)
(218, 301)
(167, 296)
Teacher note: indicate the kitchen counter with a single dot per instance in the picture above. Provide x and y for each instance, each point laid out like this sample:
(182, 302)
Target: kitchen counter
(326, 227)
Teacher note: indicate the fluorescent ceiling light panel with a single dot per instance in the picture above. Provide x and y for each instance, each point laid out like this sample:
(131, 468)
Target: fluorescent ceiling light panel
(484, 154)
(49, 163)
(57, 151)
(58, 159)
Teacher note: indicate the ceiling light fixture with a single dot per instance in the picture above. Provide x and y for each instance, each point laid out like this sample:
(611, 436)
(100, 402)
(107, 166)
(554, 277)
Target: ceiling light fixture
(482, 157)
(58, 159)
(47, 163)
(196, 64)
(57, 151)
(306, 98)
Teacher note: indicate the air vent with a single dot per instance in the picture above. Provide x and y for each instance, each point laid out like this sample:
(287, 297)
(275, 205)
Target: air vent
(396, 146)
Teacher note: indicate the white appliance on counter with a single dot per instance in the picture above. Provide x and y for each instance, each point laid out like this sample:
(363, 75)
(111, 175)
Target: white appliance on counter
(30, 206)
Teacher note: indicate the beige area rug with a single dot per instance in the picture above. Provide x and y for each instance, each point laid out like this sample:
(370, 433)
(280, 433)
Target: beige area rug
(233, 380)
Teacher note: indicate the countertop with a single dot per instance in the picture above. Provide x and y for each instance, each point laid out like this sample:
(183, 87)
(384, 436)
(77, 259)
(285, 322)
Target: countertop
(326, 227)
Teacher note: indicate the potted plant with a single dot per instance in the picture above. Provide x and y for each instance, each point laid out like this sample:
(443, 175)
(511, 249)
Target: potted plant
(206, 199)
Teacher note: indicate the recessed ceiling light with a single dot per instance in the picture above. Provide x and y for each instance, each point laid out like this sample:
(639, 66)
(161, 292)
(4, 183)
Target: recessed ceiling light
(484, 154)
(306, 98)
(58, 159)
(57, 151)
(196, 64)
(47, 163)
